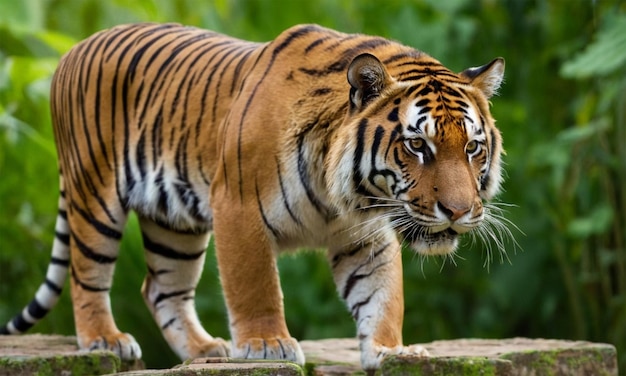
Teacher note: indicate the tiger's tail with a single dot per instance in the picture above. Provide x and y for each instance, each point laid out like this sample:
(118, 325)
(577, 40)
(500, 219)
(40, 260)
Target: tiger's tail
(50, 290)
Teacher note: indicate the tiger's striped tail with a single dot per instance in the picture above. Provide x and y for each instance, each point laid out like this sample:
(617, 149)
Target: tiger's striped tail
(50, 290)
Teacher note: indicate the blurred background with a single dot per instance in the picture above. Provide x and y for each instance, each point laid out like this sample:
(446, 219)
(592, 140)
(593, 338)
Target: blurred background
(561, 111)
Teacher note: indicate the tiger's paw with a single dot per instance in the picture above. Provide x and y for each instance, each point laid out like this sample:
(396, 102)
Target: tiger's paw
(269, 348)
(216, 348)
(372, 356)
(121, 344)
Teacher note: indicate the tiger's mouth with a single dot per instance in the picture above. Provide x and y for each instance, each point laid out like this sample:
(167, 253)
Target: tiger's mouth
(422, 233)
(426, 242)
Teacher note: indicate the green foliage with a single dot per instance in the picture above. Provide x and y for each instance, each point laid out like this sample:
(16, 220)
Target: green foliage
(562, 112)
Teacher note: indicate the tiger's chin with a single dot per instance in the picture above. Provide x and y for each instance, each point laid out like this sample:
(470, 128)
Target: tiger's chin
(432, 243)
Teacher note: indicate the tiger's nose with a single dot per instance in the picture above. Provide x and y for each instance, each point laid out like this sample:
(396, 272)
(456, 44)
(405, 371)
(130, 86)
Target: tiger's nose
(453, 211)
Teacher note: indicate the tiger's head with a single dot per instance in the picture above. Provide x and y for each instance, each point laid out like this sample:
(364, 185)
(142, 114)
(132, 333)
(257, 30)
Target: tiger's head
(419, 148)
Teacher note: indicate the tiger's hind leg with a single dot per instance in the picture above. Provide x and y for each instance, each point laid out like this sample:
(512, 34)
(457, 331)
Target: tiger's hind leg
(95, 233)
(175, 261)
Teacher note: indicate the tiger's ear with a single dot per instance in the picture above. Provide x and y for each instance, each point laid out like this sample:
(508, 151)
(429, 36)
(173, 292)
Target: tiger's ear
(367, 77)
(487, 78)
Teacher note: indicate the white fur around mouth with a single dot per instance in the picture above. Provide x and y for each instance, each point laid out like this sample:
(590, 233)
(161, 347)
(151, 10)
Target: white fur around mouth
(424, 242)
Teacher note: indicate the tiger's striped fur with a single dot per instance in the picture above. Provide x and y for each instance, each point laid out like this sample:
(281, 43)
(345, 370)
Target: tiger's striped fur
(271, 148)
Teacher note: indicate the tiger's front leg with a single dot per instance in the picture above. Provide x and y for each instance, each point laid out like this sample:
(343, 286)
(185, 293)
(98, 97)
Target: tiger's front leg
(251, 286)
(369, 278)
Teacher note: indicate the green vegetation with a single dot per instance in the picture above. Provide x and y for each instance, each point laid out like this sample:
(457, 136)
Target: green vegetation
(562, 112)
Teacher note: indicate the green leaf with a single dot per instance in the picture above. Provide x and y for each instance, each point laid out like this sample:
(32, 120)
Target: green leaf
(584, 132)
(597, 222)
(604, 56)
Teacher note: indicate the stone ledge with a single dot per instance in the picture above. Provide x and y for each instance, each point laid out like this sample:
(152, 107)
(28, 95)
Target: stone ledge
(37, 354)
(54, 355)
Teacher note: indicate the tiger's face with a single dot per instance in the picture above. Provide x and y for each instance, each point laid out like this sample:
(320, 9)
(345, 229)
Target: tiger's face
(425, 151)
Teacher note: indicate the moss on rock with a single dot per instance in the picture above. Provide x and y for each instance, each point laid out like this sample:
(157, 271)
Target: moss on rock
(594, 359)
(94, 363)
(470, 366)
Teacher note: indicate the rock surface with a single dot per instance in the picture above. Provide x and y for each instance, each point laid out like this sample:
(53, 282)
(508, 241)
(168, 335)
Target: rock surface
(57, 355)
(42, 355)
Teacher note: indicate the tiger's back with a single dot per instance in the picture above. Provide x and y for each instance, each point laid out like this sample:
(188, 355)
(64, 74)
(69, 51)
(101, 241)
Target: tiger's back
(317, 138)
(147, 99)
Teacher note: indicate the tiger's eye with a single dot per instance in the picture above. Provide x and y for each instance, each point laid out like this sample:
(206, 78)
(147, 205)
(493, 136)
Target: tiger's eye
(471, 147)
(416, 144)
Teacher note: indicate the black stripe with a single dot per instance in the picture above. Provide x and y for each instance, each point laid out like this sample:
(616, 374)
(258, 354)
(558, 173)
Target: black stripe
(304, 180)
(36, 310)
(157, 138)
(340, 256)
(299, 32)
(412, 54)
(63, 238)
(393, 115)
(315, 43)
(85, 286)
(60, 262)
(341, 41)
(180, 163)
(165, 251)
(141, 154)
(21, 324)
(163, 202)
(97, 225)
(272, 229)
(63, 213)
(356, 307)
(354, 277)
(484, 181)
(367, 45)
(89, 253)
(394, 134)
(378, 135)
(336, 67)
(422, 102)
(357, 176)
(196, 230)
(156, 273)
(53, 286)
(284, 194)
(422, 72)
(449, 76)
(168, 323)
(174, 294)
(321, 91)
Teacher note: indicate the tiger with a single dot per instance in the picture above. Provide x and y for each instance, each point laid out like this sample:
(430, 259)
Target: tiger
(351, 143)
